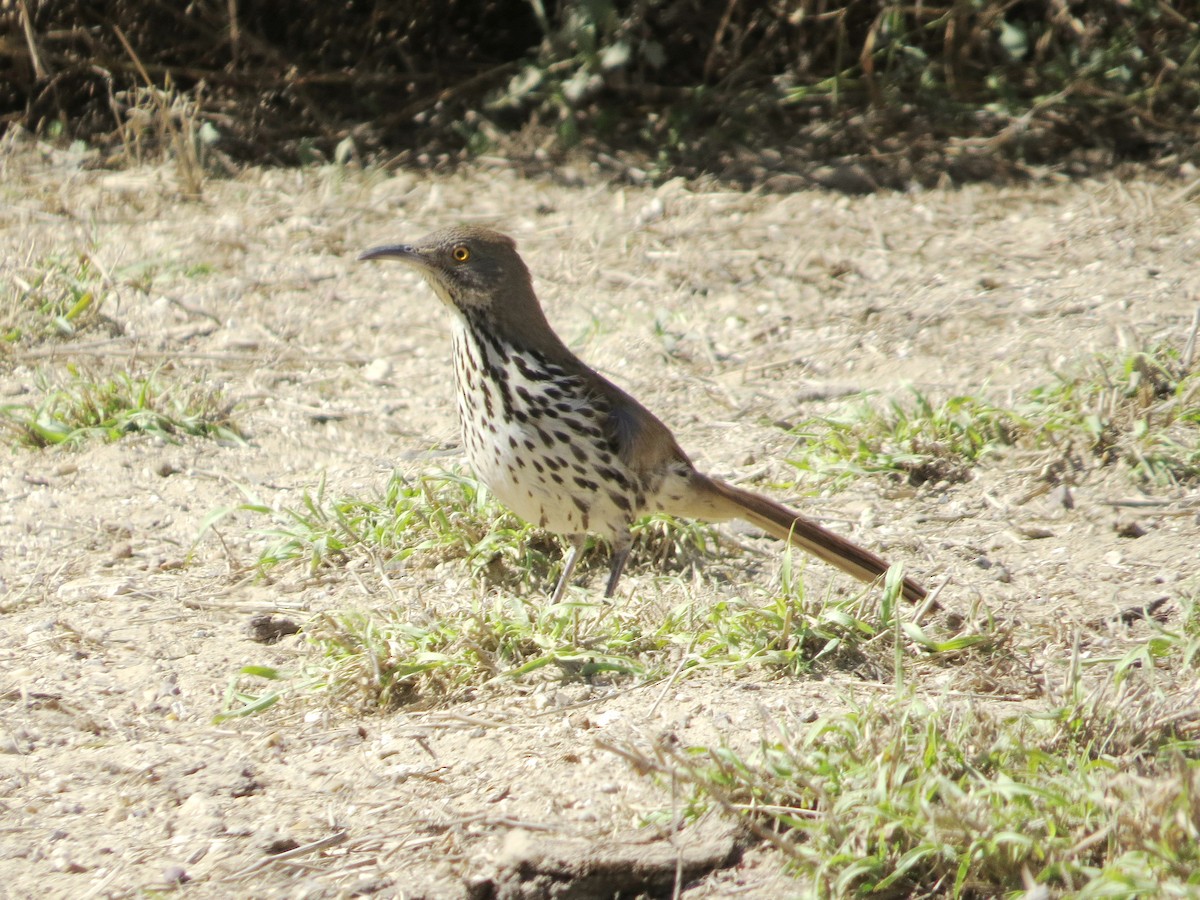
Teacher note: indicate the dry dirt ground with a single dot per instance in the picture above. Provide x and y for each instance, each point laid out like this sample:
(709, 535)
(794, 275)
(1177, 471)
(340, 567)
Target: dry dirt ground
(726, 313)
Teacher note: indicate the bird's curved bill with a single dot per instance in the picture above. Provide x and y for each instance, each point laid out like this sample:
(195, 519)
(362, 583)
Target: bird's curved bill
(392, 251)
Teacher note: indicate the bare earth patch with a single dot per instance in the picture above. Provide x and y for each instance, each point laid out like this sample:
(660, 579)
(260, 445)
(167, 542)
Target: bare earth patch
(733, 316)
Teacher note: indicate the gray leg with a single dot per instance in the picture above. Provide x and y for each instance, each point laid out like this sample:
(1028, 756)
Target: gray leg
(568, 566)
(620, 554)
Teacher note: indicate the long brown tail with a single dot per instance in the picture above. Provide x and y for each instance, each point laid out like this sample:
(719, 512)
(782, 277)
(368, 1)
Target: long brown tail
(724, 501)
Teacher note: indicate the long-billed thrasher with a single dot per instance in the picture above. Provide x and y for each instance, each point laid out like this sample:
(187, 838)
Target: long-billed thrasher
(558, 443)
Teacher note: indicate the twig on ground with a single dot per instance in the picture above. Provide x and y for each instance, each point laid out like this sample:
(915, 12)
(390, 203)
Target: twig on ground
(315, 847)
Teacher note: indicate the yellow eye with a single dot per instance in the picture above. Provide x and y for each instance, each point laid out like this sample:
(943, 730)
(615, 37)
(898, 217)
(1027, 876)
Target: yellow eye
(461, 253)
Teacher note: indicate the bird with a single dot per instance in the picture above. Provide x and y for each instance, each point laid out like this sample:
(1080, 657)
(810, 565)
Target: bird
(558, 443)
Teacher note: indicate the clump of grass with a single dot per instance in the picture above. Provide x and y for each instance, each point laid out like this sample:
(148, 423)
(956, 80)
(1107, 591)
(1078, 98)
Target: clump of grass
(1141, 411)
(1090, 788)
(430, 519)
(1168, 648)
(108, 409)
(444, 516)
(665, 543)
(921, 443)
(245, 696)
(380, 661)
(51, 297)
(904, 798)
(167, 120)
(783, 634)
(793, 631)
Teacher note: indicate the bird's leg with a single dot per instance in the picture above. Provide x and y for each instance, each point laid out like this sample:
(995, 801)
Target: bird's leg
(568, 566)
(620, 554)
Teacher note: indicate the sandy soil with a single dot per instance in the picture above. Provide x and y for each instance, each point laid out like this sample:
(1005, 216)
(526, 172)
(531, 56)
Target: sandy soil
(728, 314)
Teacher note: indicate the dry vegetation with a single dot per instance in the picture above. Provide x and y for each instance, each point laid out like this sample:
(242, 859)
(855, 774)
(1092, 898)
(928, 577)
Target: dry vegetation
(850, 94)
(217, 427)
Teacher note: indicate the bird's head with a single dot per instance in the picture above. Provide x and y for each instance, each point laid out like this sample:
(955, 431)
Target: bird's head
(471, 268)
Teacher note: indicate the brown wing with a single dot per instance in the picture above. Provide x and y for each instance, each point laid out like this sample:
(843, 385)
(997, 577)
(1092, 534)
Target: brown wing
(643, 442)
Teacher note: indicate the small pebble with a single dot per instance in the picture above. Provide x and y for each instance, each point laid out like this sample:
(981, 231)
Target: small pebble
(1129, 528)
(377, 371)
(1034, 532)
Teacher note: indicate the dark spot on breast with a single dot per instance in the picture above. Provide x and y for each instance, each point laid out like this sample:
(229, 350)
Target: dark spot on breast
(579, 428)
(531, 373)
(620, 501)
(614, 475)
(586, 483)
(583, 507)
(506, 399)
